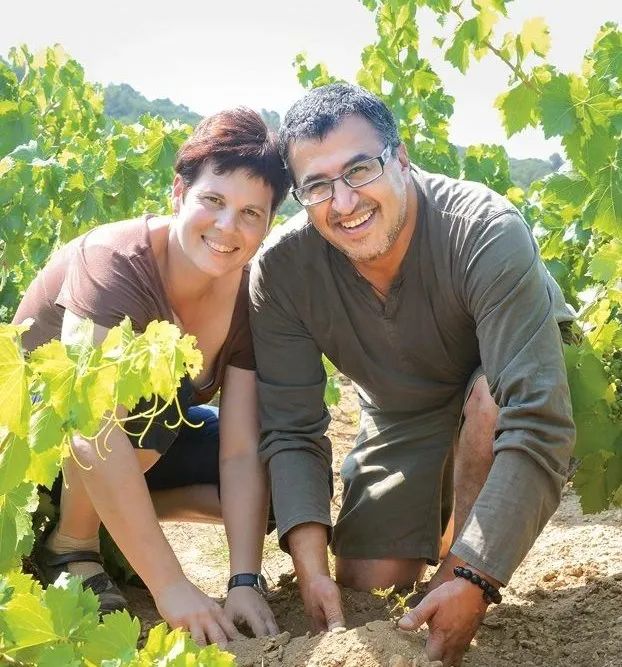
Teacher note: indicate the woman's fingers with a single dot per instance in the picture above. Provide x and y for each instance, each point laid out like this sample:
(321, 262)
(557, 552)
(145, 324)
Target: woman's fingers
(197, 633)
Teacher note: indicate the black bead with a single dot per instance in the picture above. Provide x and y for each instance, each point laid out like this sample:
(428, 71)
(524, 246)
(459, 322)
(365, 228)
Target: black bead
(467, 573)
(475, 578)
(483, 584)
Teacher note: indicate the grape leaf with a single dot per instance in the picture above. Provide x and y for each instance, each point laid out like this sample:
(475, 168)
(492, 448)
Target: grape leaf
(557, 108)
(607, 261)
(595, 429)
(74, 611)
(8, 538)
(587, 378)
(518, 108)
(14, 460)
(594, 481)
(58, 373)
(29, 621)
(171, 648)
(14, 397)
(115, 637)
(59, 655)
(458, 53)
(535, 37)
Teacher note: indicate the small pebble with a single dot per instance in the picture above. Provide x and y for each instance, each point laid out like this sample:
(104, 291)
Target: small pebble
(338, 631)
(398, 660)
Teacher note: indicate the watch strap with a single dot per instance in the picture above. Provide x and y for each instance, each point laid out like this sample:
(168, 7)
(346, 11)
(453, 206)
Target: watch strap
(251, 579)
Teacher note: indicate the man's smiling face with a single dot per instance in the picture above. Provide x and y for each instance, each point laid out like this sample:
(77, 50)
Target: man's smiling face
(365, 222)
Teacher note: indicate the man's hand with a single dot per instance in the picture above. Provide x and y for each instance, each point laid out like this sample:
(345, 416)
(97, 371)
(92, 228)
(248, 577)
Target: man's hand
(246, 604)
(453, 613)
(322, 601)
(320, 594)
(183, 605)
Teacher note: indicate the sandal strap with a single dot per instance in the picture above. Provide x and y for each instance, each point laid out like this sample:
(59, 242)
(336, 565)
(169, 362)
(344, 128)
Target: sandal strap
(55, 560)
(102, 583)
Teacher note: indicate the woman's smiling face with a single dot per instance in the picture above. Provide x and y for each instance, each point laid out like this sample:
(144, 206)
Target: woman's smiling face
(221, 219)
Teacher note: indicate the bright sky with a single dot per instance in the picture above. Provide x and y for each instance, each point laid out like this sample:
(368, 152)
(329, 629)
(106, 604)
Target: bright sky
(210, 55)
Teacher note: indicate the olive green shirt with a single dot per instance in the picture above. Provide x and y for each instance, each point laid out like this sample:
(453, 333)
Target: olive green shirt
(471, 290)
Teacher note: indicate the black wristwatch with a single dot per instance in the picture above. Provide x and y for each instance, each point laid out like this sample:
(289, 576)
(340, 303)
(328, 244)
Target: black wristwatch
(256, 581)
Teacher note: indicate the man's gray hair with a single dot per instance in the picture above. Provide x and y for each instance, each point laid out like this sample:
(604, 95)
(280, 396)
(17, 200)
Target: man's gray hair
(324, 108)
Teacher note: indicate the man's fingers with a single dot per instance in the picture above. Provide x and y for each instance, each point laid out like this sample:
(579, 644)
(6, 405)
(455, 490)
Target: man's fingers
(416, 617)
(435, 646)
(333, 614)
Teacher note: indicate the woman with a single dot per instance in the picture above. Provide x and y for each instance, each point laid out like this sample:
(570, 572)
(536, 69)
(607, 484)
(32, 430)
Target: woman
(191, 269)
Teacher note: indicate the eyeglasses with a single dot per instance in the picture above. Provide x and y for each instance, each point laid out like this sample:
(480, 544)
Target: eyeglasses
(356, 176)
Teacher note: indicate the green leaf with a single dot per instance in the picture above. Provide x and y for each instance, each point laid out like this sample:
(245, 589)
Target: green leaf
(458, 53)
(115, 637)
(171, 648)
(8, 538)
(587, 378)
(595, 429)
(29, 621)
(46, 428)
(14, 460)
(518, 108)
(74, 610)
(597, 479)
(566, 190)
(58, 373)
(14, 397)
(607, 261)
(22, 501)
(535, 37)
(60, 655)
(556, 107)
(607, 209)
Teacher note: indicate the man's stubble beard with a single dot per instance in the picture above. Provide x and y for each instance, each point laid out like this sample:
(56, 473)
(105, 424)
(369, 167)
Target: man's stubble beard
(391, 237)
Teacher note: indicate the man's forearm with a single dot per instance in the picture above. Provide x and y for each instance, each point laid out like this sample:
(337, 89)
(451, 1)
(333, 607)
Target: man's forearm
(308, 544)
(517, 500)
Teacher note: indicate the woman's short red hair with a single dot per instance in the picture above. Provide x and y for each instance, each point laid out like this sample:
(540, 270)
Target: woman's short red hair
(235, 139)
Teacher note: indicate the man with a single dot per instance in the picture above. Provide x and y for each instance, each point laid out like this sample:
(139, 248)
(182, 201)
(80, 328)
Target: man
(429, 294)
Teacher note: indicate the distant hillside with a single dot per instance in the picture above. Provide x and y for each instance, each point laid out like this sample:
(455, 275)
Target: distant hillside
(126, 104)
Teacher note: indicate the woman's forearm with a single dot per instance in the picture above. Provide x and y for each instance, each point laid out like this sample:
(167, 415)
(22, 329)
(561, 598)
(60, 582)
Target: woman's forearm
(244, 500)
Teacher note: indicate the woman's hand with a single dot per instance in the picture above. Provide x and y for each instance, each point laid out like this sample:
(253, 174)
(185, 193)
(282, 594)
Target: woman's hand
(183, 605)
(245, 604)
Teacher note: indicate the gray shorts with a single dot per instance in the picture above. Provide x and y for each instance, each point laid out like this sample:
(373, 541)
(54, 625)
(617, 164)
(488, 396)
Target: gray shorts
(398, 484)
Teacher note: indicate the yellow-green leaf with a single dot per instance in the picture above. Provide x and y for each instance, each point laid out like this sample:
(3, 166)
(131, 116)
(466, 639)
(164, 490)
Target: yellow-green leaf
(535, 37)
(14, 397)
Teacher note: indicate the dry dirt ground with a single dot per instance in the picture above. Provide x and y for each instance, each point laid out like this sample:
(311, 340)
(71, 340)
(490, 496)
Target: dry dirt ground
(563, 607)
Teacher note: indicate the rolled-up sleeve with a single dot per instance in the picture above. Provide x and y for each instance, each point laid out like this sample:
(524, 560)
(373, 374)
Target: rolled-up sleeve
(508, 291)
(294, 418)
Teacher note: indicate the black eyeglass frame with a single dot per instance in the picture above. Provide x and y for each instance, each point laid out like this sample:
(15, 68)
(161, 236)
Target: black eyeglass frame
(383, 158)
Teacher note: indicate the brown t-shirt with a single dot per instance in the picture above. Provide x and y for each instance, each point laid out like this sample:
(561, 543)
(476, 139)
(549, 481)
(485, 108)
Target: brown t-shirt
(115, 276)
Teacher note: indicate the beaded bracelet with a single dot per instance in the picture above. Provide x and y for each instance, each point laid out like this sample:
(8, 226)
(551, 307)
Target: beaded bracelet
(489, 592)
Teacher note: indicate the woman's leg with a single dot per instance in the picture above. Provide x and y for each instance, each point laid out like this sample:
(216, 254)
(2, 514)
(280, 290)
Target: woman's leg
(184, 482)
